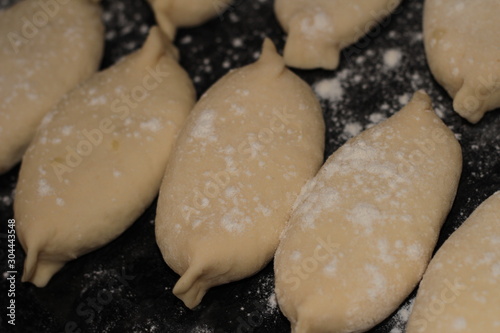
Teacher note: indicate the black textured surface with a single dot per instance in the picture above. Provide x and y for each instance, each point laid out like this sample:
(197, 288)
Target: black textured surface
(126, 286)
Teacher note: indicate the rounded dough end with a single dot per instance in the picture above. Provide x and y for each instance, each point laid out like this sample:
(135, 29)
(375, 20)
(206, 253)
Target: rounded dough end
(422, 98)
(156, 46)
(306, 320)
(274, 63)
(202, 274)
(39, 271)
(469, 104)
(160, 9)
(191, 288)
(317, 53)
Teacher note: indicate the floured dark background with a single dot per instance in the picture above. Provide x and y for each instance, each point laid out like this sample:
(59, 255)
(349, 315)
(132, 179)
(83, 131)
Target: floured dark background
(126, 286)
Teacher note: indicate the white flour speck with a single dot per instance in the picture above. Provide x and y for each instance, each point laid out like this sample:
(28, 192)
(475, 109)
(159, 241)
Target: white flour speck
(204, 127)
(352, 129)
(460, 324)
(153, 125)
(404, 99)
(329, 89)
(44, 188)
(392, 58)
(237, 42)
(101, 100)
(67, 130)
(376, 118)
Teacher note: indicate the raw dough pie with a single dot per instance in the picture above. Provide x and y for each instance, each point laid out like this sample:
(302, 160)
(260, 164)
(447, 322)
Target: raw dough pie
(364, 228)
(319, 29)
(98, 158)
(460, 290)
(249, 145)
(46, 49)
(462, 42)
(173, 14)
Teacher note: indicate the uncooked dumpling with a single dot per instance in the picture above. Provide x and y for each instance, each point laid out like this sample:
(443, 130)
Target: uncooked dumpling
(98, 158)
(249, 145)
(460, 290)
(318, 30)
(462, 42)
(364, 228)
(173, 14)
(42, 58)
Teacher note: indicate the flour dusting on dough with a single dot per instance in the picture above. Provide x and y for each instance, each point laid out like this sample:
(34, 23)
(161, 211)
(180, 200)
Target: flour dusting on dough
(204, 127)
(44, 189)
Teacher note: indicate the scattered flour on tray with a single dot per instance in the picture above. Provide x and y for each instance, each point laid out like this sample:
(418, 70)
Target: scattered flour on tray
(202, 329)
(371, 84)
(400, 319)
(266, 304)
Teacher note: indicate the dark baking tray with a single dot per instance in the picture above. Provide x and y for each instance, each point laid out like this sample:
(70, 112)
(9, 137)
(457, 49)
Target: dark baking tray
(126, 286)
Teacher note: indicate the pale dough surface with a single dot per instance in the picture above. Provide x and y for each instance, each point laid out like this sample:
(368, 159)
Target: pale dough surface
(364, 228)
(249, 145)
(98, 158)
(462, 42)
(40, 63)
(173, 14)
(460, 290)
(318, 30)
